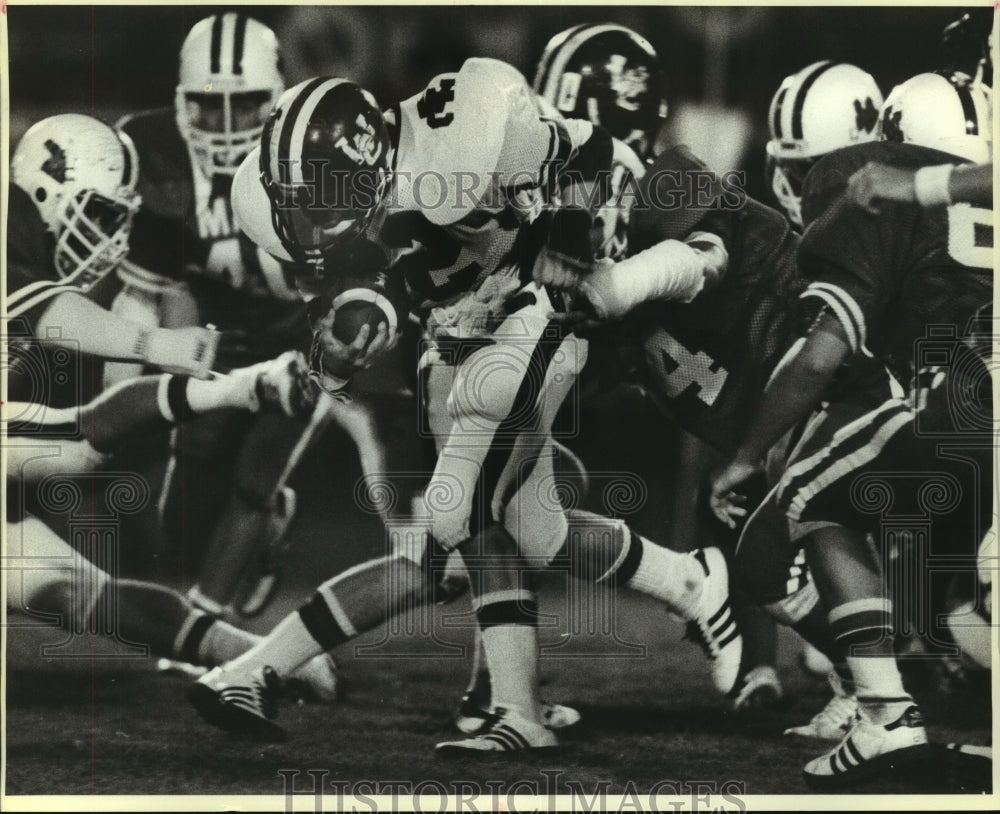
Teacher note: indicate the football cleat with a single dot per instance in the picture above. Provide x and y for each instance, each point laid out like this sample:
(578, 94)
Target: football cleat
(835, 719)
(508, 732)
(472, 718)
(761, 689)
(317, 680)
(263, 582)
(714, 627)
(244, 704)
(870, 749)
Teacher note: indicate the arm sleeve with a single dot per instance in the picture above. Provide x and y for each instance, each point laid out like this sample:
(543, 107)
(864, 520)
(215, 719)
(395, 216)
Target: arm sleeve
(847, 256)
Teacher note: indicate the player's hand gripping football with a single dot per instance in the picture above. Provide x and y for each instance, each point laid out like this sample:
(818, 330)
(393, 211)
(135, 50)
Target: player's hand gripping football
(726, 504)
(341, 360)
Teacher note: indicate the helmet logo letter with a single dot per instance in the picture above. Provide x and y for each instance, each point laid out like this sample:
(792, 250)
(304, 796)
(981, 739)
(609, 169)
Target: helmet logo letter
(866, 116)
(627, 84)
(891, 130)
(366, 148)
(55, 165)
(431, 106)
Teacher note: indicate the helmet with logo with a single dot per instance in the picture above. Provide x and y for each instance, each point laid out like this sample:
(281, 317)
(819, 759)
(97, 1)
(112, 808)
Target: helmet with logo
(610, 75)
(824, 107)
(324, 163)
(947, 113)
(230, 78)
(81, 175)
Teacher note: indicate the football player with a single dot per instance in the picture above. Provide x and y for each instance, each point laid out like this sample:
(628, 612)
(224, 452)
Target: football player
(823, 107)
(72, 203)
(332, 167)
(611, 76)
(45, 575)
(239, 512)
(879, 284)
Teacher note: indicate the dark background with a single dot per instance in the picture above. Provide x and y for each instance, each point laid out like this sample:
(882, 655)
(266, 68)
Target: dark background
(108, 60)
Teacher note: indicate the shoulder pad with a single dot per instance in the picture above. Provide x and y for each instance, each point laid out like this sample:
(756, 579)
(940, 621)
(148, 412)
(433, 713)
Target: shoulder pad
(452, 135)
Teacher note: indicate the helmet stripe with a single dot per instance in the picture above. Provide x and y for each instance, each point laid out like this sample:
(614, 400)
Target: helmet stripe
(215, 47)
(292, 127)
(239, 38)
(565, 53)
(800, 99)
(543, 74)
(127, 165)
(776, 119)
(968, 110)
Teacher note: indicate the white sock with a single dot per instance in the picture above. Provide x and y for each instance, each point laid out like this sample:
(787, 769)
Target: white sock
(512, 655)
(675, 579)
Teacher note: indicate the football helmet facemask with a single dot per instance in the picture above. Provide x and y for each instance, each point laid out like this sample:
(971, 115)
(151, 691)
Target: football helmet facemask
(324, 163)
(81, 175)
(947, 113)
(230, 78)
(609, 75)
(823, 107)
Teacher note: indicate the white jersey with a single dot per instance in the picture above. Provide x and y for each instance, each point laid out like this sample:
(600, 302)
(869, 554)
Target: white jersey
(474, 159)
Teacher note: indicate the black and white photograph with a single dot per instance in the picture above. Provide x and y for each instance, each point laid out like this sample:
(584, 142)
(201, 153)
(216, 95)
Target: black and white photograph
(504, 407)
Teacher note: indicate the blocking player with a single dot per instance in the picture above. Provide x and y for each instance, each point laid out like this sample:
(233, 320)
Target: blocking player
(72, 203)
(512, 364)
(879, 282)
(220, 490)
(824, 107)
(46, 576)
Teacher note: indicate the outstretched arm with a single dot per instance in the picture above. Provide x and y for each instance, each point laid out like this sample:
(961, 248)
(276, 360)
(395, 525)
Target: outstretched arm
(795, 390)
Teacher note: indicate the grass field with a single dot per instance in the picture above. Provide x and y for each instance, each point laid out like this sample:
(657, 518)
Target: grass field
(104, 726)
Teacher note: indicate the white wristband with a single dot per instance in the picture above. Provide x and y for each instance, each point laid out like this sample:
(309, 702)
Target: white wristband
(930, 185)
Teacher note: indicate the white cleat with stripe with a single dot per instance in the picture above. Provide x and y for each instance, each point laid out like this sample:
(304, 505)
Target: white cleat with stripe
(510, 732)
(868, 750)
(714, 627)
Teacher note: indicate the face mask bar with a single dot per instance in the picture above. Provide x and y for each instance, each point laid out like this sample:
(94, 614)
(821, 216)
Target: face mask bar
(94, 236)
(222, 127)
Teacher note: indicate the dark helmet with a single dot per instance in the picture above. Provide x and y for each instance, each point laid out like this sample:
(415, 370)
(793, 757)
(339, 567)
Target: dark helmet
(324, 161)
(610, 75)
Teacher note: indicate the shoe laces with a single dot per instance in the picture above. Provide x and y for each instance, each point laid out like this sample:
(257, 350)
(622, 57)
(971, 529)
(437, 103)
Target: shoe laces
(841, 711)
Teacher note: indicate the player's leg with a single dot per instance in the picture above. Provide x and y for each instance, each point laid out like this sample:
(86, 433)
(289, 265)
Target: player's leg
(46, 576)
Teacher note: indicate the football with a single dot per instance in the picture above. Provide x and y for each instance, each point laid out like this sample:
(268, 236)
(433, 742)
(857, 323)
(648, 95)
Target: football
(369, 299)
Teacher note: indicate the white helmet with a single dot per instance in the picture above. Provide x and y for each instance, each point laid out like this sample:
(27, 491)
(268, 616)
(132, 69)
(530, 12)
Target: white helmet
(230, 78)
(82, 176)
(949, 114)
(824, 107)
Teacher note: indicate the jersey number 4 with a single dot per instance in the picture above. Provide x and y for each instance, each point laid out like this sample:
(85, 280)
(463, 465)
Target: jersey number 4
(970, 235)
(682, 370)
(432, 107)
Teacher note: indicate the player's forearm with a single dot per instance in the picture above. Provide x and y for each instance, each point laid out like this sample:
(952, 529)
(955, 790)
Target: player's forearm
(972, 184)
(796, 389)
(73, 321)
(670, 270)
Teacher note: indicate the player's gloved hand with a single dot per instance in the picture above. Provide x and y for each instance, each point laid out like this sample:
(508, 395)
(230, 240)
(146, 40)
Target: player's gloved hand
(189, 351)
(726, 504)
(876, 182)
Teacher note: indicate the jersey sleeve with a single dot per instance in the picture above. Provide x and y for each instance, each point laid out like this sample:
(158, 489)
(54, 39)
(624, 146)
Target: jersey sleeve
(32, 279)
(850, 258)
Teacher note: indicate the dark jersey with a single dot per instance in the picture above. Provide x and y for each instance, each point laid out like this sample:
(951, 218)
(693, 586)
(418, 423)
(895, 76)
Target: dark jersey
(185, 229)
(707, 361)
(39, 372)
(888, 277)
